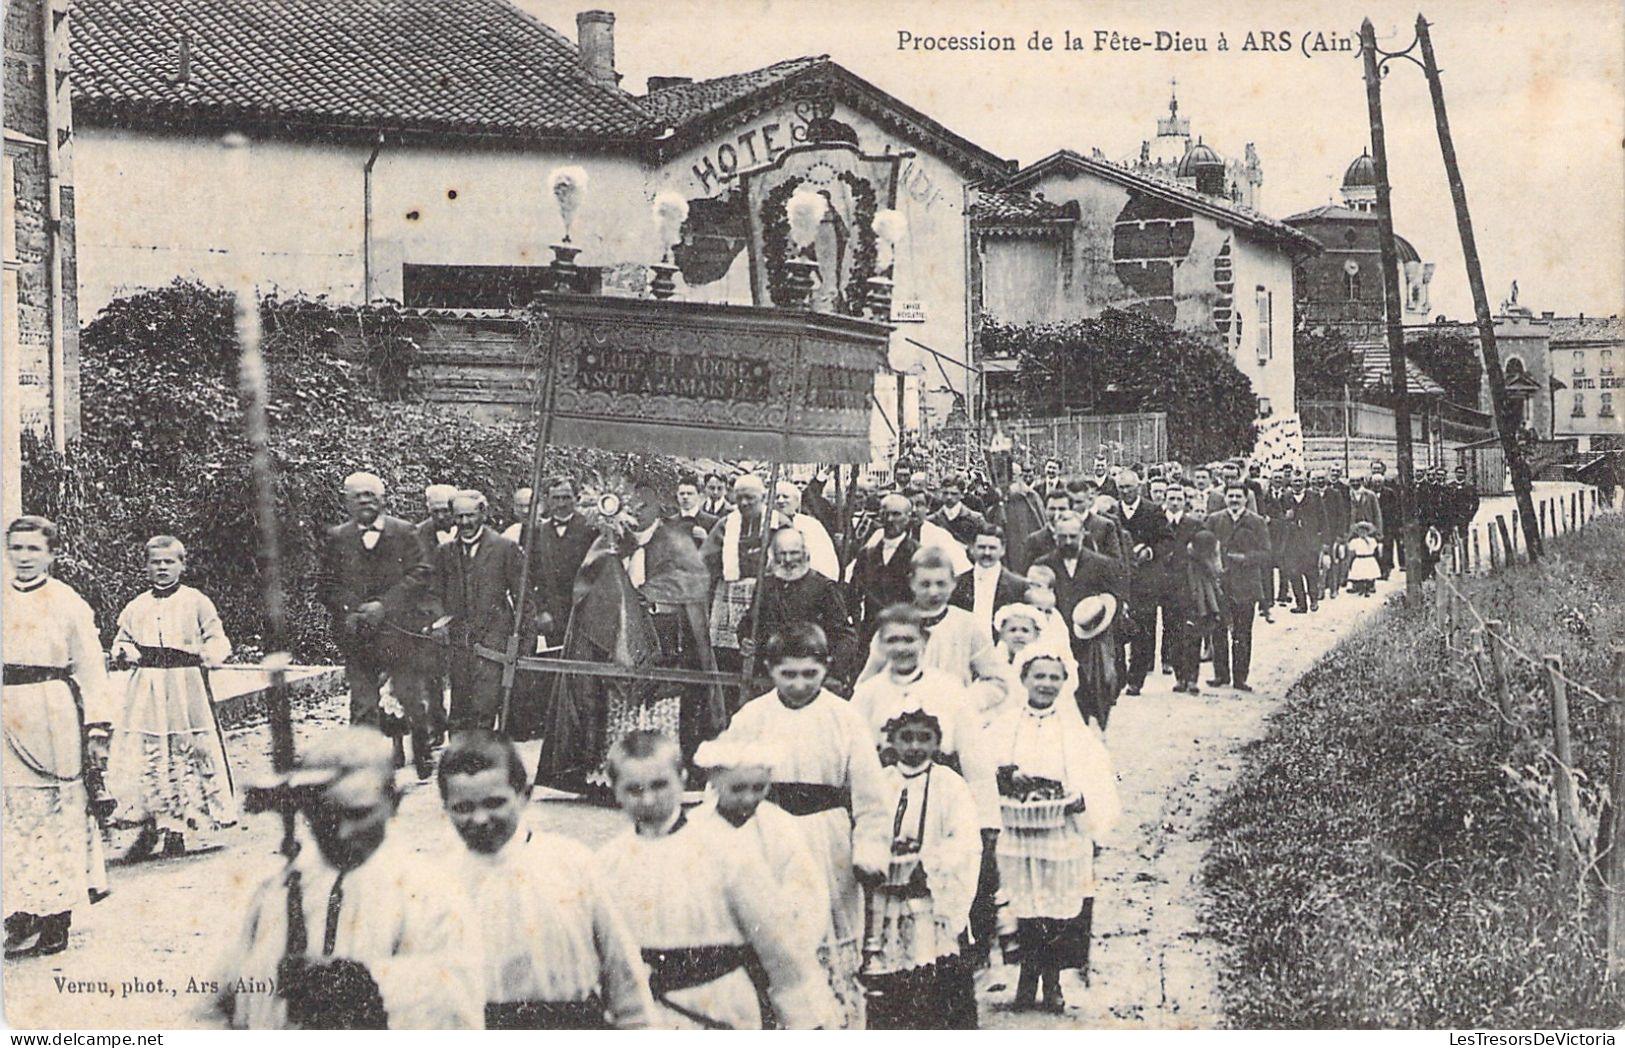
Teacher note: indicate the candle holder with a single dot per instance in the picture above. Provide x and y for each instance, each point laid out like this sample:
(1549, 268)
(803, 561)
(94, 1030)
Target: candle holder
(801, 275)
(564, 262)
(878, 294)
(662, 286)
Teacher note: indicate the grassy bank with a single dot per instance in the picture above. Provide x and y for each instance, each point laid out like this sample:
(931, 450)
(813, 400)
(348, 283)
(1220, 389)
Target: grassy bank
(1385, 858)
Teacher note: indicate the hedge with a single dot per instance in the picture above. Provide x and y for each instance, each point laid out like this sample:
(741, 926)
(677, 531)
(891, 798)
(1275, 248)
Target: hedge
(162, 449)
(1385, 858)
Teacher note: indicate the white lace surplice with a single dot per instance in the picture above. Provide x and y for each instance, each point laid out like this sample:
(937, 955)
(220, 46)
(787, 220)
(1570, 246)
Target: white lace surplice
(52, 850)
(167, 762)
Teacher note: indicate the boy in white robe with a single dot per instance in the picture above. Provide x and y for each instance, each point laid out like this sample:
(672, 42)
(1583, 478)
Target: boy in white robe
(916, 977)
(828, 777)
(713, 928)
(739, 779)
(956, 641)
(167, 763)
(557, 953)
(381, 937)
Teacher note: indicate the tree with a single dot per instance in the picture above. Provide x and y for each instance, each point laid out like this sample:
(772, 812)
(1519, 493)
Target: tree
(1121, 362)
(163, 449)
(1323, 364)
(1452, 360)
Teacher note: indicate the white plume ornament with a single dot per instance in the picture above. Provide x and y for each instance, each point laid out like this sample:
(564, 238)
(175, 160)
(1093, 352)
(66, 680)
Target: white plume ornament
(890, 228)
(670, 211)
(806, 212)
(569, 185)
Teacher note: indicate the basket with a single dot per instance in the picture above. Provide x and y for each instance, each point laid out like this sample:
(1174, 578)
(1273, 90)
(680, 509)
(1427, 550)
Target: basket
(1035, 815)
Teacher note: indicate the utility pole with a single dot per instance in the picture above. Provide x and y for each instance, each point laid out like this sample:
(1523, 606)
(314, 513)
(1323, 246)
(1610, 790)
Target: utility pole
(1521, 480)
(1391, 311)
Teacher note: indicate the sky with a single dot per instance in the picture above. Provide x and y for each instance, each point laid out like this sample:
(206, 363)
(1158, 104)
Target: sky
(1536, 97)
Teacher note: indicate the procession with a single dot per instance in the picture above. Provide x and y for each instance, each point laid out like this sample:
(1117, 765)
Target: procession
(994, 685)
(521, 517)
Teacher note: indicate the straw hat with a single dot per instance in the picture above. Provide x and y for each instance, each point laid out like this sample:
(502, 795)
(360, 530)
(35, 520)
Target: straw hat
(1093, 615)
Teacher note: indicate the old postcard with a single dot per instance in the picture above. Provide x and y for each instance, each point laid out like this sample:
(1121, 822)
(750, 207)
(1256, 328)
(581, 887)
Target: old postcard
(780, 515)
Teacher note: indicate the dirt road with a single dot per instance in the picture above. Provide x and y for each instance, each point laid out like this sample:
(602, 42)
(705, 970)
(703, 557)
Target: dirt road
(132, 955)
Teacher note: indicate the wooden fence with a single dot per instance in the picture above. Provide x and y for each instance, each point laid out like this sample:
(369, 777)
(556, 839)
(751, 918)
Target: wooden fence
(1498, 540)
(1078, 439)
(1590, 853)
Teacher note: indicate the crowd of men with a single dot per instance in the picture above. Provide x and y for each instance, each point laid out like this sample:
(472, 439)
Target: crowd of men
(936, 620)
(693, 556)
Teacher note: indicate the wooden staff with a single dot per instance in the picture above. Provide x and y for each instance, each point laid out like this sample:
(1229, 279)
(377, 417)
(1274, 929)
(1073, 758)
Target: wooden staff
(538, 479)
(254, 389)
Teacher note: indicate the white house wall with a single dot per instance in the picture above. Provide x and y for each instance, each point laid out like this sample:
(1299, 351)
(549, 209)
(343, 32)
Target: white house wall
(156, 207)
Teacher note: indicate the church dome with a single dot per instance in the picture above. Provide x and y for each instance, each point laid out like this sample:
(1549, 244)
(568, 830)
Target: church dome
(1198, 156)
(1361, 173)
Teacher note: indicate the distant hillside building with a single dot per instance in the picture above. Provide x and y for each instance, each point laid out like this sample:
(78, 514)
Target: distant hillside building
(1341, 289)
(1588, 380)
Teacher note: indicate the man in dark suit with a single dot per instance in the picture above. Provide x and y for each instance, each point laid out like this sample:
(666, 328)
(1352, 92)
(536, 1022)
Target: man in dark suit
(1182, 646)
(1302, 522)
(988, 585)
(1041, 543)
(1337, 506)
(376, 582)
(880, 572)
(1050, 483)
(793, 592)
(1147, 528)
(556, 557)
(1079, 573)
(716, 504)
(1393, 531)
(1244, 541)
(477, 580)
(439, 526)
(690, 512)
(958, 519)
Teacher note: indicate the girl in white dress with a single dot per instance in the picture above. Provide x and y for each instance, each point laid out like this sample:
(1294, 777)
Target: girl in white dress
(916, 977)
(167, 765)
(1048, 755)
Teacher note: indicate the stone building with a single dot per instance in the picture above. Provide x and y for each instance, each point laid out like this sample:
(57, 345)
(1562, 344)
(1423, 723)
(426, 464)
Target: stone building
(1164, 157)
(1069, 236)
(402, 149)
(40, 312)
(1588, 380)
(1341, 289)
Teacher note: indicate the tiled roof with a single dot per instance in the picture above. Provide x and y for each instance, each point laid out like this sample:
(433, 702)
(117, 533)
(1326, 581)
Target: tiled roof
(1237, 215)
(1009, 207)
(1339, 213)
(680, 103)
(479, 67)
(687, 113)
(1587, 329)
(1377, 369)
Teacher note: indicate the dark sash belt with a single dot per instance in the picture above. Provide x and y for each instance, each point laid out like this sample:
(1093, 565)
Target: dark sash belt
(17, 674)
(810, 798)
(546, 1015)
(154, 657)
(685, 967)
